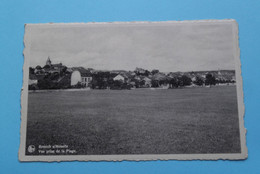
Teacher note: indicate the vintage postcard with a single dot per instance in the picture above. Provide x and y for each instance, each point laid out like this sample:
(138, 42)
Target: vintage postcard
(132, 91)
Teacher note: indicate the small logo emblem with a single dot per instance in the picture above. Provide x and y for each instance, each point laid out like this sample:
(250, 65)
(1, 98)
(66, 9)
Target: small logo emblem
(31, 148)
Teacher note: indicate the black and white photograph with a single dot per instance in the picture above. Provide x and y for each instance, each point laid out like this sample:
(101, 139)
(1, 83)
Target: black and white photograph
(132, 91)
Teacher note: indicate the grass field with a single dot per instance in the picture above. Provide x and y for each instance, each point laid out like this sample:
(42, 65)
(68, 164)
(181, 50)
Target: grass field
(174, 121)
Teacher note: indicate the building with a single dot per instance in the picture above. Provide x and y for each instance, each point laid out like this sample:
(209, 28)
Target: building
(140, 70)
(48, 62)
(147, 82)
(32, 79)
(53, 68)
(119, 77)
(80, 75)
(159, 76)
(38, 70)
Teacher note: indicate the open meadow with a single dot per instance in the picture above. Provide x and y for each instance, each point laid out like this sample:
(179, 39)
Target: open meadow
(141, 121)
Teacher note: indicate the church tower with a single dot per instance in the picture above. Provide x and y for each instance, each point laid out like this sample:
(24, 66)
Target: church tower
(48, 62)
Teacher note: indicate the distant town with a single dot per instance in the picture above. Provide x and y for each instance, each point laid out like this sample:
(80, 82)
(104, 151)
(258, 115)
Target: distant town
(59, 76)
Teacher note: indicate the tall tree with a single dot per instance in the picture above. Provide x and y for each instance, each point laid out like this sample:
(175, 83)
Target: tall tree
(210, 80)
(185, 80)
(198, 81)
(155, 71)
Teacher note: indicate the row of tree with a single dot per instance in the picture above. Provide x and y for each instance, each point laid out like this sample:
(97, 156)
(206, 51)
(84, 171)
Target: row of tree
(104, 80)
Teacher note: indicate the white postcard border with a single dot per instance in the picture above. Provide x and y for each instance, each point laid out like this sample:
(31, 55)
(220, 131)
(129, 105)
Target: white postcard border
(145, 157)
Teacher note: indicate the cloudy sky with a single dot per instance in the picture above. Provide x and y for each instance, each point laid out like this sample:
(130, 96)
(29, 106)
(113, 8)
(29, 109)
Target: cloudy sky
(164, 46)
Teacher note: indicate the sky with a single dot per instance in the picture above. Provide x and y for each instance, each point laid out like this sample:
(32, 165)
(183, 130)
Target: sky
(168, 47)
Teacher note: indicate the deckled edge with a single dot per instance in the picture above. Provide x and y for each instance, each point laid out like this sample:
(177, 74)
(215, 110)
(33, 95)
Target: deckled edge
(24, 93)
(134, 22)
(24, 104)
(240, 93)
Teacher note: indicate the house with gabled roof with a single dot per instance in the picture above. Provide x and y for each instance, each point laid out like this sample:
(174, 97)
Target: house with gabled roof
(147, 81)
(32, 79)
(119, 77)
(80, 75)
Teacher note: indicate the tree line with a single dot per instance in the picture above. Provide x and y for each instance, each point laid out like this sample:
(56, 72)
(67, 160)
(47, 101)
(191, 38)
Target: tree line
(105, 80)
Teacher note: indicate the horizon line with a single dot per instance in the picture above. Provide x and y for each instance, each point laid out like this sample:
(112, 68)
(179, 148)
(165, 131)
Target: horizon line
(146, 69)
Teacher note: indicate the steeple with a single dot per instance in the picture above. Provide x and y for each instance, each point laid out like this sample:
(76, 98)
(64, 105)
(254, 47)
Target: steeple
(48, 62)
(219, 73)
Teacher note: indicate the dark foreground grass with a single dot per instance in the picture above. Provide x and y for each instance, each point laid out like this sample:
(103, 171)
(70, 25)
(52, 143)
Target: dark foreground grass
(189, 121)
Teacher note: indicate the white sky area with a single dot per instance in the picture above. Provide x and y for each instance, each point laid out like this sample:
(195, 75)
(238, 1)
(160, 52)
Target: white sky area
(168, 47)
